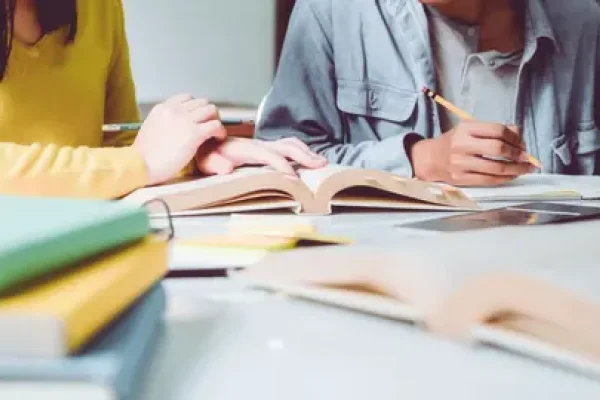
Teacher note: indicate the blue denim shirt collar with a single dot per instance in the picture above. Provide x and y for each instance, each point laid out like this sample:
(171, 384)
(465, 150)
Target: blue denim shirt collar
(537, 26)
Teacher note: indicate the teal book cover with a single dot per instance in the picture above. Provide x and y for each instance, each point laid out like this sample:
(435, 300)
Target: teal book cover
(111, 367)
(40, 236)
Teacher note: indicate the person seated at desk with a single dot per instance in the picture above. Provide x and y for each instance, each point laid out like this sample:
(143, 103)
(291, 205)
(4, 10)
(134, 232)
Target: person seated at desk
(350, 81)
(64, 70)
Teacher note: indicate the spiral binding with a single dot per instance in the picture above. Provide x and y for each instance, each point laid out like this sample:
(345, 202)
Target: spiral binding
(171, 228)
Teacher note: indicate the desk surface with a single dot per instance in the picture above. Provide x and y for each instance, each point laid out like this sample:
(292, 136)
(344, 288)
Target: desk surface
(224, 342)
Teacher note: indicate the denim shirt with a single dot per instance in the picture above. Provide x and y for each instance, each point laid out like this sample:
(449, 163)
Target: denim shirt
(351, 73)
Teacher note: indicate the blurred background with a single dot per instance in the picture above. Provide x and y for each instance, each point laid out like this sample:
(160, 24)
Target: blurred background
(225, 50)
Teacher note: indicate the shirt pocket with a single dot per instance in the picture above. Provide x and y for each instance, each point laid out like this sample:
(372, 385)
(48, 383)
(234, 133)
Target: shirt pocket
(578, 154)
(376, 101)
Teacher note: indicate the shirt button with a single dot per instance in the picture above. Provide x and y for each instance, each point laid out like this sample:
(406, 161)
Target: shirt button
(35, 53)
(471, 32)
(373, 101)
(492, 64)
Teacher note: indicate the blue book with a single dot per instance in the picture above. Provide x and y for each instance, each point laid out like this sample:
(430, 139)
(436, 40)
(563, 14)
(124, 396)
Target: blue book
(109, 369)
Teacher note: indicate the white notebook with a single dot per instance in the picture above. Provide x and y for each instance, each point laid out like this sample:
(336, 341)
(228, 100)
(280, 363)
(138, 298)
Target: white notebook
(539, 187)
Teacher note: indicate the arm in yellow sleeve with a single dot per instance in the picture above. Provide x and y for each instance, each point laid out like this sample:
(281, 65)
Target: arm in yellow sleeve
(120, 104)
(53, 171)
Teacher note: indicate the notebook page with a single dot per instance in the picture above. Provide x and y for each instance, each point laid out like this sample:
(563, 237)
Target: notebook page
(539, 187)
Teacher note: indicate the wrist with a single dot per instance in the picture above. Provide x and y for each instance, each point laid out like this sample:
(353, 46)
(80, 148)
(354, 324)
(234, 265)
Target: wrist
(136, 157)
(422, 157)
(149, 175)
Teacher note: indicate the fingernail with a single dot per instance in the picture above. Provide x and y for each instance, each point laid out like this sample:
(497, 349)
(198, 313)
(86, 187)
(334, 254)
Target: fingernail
(291, 177)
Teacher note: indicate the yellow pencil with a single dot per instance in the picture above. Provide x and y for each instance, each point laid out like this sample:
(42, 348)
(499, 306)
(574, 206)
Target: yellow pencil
(466, 116)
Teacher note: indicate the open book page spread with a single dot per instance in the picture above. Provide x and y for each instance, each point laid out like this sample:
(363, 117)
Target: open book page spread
(541, 281)
(539, 187)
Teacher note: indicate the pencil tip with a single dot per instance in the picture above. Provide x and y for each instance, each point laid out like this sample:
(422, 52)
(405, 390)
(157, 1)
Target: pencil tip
(535, 162)
(425, 89)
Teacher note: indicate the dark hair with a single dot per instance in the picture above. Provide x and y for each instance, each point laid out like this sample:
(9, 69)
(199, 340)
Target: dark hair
(52, 16)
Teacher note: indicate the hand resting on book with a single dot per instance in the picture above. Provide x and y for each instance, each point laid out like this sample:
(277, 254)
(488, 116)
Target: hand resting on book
(222, 158)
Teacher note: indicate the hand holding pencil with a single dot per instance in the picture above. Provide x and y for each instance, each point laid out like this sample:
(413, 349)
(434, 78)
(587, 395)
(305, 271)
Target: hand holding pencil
(473, 153)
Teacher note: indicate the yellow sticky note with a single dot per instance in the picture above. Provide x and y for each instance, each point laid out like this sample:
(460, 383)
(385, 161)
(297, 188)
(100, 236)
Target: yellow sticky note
(269, 243)
(270, 225)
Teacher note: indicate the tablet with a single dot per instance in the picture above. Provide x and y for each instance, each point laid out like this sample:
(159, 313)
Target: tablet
(539, 213)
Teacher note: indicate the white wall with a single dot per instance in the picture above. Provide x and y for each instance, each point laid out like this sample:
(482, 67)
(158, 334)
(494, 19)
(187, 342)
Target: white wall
(220, 49)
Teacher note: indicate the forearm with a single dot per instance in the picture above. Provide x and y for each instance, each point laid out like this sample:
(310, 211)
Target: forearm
(53, 171)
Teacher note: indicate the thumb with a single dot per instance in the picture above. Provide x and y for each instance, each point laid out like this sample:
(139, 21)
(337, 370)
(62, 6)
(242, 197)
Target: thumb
(517, 130)
(214, 164)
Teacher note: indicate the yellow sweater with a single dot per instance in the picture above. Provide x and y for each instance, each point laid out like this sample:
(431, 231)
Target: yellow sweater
(53, 102)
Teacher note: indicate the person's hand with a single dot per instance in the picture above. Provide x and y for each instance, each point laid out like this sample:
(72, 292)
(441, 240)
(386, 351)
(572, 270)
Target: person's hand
(472, 154)
(173, 132)
(235, 152)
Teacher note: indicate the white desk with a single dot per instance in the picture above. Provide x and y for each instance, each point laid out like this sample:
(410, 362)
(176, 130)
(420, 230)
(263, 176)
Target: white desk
(224, 343)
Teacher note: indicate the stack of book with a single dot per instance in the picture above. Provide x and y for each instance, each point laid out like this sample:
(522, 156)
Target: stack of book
(80, 299)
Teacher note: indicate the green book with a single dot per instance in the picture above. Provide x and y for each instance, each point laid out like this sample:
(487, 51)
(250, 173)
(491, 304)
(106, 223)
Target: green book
(41, 236)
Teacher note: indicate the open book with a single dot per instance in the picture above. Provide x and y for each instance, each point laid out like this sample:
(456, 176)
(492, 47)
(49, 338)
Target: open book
(539, 187)
(530, 294)
(316, 192)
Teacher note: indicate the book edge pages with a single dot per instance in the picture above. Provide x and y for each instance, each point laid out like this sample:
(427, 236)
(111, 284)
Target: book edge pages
(364, 303)
(19, 336)
(396, 205)
(536, 349)
(266, 206)
(55, 390)
(529, 198)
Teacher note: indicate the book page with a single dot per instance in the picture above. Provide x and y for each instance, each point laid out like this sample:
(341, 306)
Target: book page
(143, 195)
(355, 187)
(362, 279)
(313, 178)
(539, 186)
